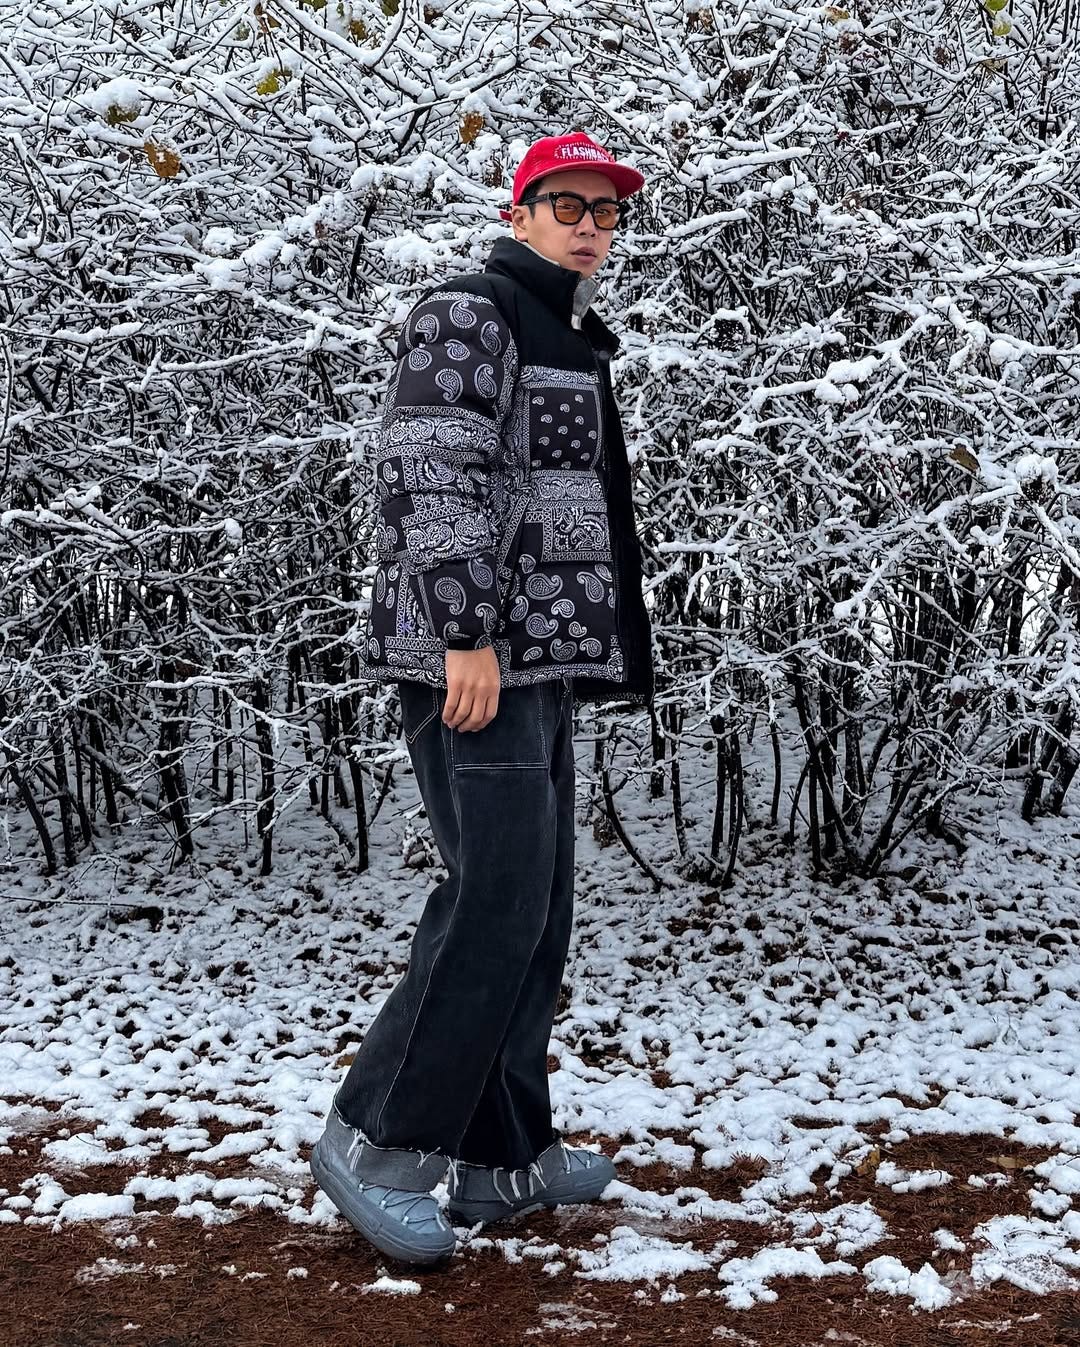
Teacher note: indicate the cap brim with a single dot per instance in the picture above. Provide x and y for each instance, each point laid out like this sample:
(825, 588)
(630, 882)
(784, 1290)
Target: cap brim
(627, 180)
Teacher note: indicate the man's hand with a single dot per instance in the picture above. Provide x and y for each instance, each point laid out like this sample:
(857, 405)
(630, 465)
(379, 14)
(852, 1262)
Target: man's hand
(472, 688)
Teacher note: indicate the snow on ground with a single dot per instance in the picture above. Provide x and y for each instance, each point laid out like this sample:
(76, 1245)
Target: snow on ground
(782, 1020)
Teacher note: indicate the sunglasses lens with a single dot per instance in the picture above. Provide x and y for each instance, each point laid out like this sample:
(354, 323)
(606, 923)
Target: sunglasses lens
(607, 217)
(568, 210)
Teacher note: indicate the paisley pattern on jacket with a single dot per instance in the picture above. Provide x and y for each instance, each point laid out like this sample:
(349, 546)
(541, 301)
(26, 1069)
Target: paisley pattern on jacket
(492, 521)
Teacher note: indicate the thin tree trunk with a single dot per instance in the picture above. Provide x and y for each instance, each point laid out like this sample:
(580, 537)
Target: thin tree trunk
(264, 814)
(356, 772)
(171, 774)
(737, 796)
(85, 825)
(778, 774)
(659, 748)
(632, 851)
(720, 748)
(674, 725)
(63, 793)
(296, 672)
(35, 813)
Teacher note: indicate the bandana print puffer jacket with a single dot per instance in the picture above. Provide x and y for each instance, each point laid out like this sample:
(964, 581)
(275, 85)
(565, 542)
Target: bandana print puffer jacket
(505, 515)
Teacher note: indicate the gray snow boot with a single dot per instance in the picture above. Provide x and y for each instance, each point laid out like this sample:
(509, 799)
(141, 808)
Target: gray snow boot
(559, 1176)
(384, 1194)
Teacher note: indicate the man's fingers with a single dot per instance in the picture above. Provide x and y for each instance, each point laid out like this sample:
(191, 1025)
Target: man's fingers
(483, 712)
(451, 705)
(469, 708)
(462, 710)
(472, 688)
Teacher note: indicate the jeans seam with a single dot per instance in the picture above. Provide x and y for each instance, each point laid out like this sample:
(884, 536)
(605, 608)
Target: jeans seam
(408, 1041)
(540, 724)
(411, 739)
(498, 766)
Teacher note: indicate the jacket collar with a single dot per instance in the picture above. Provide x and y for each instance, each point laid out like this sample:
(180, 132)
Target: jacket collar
(554, 285)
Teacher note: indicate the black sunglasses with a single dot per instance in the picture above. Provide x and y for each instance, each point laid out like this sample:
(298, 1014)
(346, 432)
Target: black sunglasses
(569, 208)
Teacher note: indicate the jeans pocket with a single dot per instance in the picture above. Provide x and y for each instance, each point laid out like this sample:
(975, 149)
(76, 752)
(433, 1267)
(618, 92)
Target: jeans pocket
(420, 704)
(517, 736)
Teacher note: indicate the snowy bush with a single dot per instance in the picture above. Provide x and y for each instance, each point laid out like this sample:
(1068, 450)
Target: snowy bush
(849, 376)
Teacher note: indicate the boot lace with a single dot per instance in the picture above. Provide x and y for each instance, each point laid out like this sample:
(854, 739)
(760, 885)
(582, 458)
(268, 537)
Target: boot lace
(408, 1207)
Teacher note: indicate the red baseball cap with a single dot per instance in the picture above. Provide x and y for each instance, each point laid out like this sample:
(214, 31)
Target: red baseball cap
(559, 154)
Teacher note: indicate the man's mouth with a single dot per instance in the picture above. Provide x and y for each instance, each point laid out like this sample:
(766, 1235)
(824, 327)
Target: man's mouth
(583, 252)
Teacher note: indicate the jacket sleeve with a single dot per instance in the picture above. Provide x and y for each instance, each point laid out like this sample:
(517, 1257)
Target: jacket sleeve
(439, 442)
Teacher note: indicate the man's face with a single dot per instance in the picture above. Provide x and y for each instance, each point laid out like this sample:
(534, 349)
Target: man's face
(579, 247)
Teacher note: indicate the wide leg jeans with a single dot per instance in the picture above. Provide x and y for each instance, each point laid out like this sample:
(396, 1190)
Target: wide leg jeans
(456, 1059)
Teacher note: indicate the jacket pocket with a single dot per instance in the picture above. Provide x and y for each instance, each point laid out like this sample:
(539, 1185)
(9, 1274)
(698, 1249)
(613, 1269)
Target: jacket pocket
(507, 551)
(569, 510)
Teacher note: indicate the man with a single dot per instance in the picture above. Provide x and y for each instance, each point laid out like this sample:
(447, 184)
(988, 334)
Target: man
(508, 587)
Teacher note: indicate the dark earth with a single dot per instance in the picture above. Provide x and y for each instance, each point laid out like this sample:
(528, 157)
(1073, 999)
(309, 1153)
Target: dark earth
(200, 1286)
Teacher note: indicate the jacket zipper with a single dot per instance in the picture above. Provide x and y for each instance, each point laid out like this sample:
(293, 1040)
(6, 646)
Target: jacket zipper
(605, 477)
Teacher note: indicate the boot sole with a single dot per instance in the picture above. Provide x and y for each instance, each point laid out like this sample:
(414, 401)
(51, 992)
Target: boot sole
(468, 1213)
(377, 1230)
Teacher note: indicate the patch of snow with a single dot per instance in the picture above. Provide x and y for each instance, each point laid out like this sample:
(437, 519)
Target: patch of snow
(746, 1278)
(849, 1228)
(925, 1287)
(1027, 1252)
(629, 1256)
(123, 94)
(563, 1319)
(684, 1204)
(910, 1181)
(393, 1286)
(1061, 1172)
(96, 1207)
